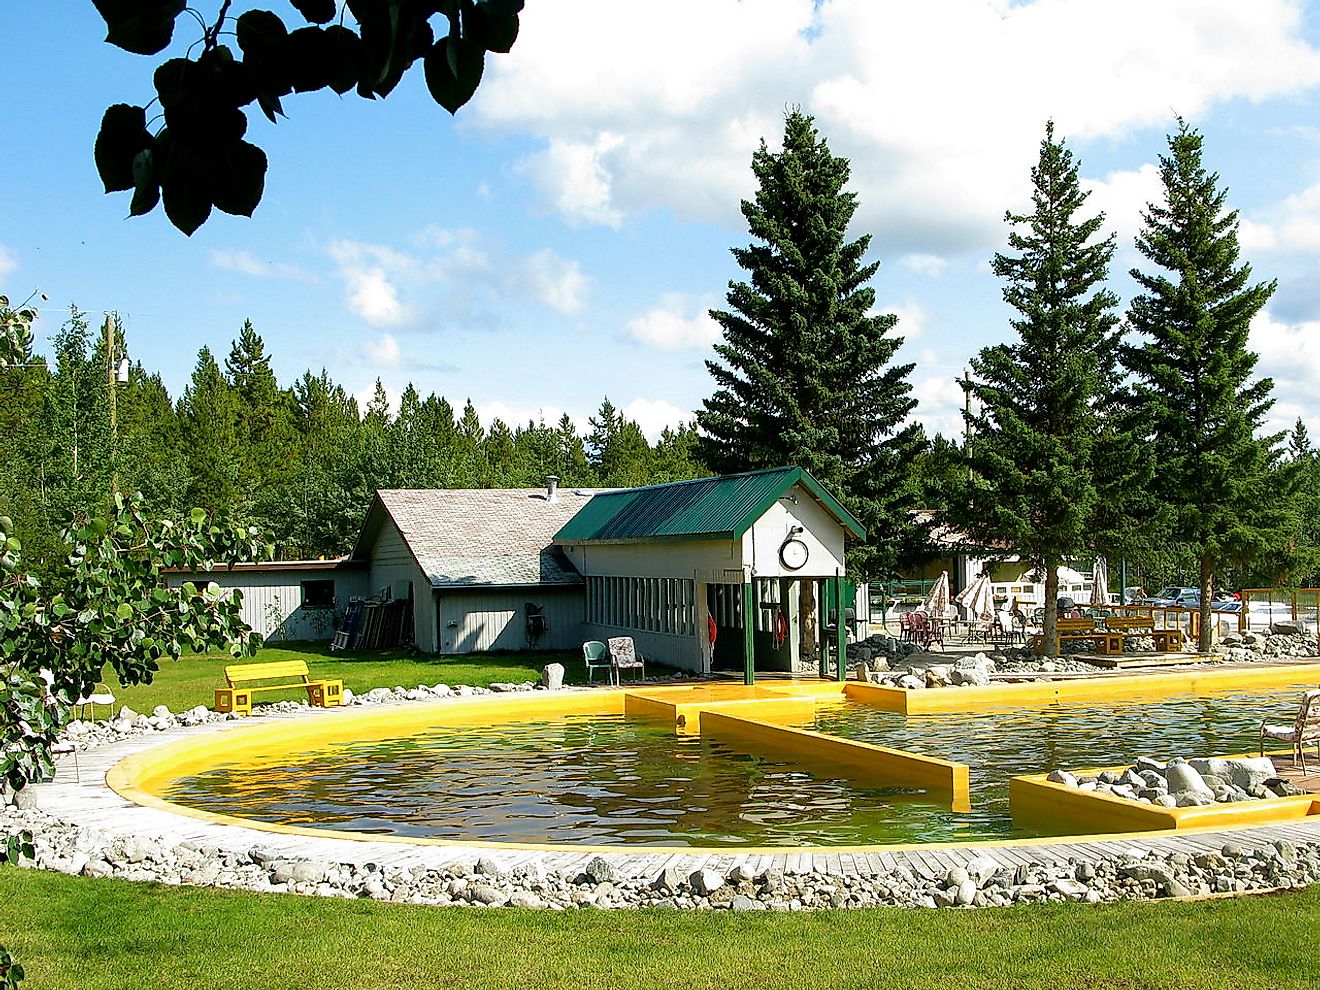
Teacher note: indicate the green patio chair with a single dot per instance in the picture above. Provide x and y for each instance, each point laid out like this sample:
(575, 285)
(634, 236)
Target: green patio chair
(597, 657)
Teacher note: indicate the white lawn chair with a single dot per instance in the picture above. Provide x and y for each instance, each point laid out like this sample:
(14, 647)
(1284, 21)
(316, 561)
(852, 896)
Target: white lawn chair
(1304, 731)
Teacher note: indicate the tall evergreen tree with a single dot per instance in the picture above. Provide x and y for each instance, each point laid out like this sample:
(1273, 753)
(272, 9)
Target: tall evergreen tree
(803, 374)
(1047, 458)
(1193, 393)
(208, 415)
(264, 415)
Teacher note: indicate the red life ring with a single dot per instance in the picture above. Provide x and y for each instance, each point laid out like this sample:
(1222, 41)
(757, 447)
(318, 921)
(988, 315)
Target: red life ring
(711, 629)
(781, 629)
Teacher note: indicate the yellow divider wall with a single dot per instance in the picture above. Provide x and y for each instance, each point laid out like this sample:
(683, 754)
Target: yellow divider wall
(874, 765)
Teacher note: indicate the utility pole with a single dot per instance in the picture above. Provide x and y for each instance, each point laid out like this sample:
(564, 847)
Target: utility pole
(116, 371)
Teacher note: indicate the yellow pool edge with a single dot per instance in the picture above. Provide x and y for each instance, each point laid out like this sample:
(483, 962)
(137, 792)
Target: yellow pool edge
(133, 776)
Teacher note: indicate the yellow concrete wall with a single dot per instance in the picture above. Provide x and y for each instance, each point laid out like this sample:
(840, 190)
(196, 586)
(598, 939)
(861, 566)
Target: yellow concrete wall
(1063, 809)
(873, 765)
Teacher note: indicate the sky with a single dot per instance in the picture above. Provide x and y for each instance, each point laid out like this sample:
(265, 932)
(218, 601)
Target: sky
(562, 239)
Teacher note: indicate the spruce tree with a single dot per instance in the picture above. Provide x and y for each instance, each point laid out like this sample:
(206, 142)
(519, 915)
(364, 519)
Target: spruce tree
(803, 374)
(1193, 394)
(1046, 459)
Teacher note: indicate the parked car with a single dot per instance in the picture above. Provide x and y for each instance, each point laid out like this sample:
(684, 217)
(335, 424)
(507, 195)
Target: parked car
(1175, 597)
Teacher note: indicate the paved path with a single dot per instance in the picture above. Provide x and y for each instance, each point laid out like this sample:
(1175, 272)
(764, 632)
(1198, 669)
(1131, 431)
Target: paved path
(82, 796)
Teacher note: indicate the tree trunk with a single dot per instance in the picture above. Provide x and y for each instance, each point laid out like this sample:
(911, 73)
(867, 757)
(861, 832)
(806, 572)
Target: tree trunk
(1207, 600)
(808, 638)
(1051, 630)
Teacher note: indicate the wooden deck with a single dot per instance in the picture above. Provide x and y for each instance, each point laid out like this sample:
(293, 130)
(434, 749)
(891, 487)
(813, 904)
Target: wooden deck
(1308, 781)
(80, 795)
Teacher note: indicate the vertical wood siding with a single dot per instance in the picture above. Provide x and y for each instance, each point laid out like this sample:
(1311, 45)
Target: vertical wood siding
(272, 600)
(496, 619)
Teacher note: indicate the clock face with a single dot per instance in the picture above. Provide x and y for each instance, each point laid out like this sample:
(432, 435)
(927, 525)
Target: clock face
(793, 554)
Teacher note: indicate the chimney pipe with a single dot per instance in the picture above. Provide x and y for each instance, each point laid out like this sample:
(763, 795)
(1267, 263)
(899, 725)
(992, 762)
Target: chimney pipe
(551, 486)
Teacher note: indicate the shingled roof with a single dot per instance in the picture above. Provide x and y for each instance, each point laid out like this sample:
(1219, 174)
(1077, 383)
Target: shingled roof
(499, 537)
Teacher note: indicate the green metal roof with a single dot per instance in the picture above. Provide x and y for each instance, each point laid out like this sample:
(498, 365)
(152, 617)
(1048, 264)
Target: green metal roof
(708, 508)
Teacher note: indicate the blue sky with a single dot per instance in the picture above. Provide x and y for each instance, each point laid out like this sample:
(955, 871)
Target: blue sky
(562, 239)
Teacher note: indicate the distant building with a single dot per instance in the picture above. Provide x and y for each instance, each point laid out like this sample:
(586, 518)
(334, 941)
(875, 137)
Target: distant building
(665, 564)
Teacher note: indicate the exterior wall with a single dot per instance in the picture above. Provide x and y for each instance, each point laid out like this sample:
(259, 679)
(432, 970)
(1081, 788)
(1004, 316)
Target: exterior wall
(392, 563)
(495, 618)
(272, 599)
(823, 537)
(706, 562)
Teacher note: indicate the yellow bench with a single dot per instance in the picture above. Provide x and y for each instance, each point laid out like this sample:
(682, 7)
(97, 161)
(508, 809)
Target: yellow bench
(240, 680)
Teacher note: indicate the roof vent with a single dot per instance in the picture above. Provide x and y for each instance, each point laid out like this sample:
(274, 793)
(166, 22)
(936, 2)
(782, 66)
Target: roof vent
(551, 486)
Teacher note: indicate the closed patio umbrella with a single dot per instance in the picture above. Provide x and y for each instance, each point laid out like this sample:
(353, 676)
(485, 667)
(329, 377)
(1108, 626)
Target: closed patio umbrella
(978, 598)
(1100, 582)
(937, 601)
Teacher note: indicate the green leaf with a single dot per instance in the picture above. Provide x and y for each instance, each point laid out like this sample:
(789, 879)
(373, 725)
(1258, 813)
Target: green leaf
(122, 135)
(187, 201)
(492, 30)
(124, 612)
(143, 27)
(453, 71)
(238, 178)
(146, 187)
(317, 11)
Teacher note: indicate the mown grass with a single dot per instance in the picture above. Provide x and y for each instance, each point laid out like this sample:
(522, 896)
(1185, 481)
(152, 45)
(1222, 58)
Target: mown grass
(92, 934)
(192, 680)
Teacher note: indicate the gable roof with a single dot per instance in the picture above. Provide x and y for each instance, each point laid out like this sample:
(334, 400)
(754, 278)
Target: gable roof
(707, 508)
(472, 537)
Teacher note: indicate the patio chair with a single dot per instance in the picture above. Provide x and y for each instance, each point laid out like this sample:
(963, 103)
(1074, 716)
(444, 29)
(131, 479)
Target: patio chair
(1304, 731)
(596, 656)
(624, 656)
(86, 705)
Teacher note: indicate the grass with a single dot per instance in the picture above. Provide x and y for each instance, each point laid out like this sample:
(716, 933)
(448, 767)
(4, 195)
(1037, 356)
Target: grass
(93, 934)
(192, 680)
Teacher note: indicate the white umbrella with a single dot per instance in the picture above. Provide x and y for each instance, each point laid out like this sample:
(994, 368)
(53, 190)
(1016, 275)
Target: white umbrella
(1100, 582)
(978, 598)
(1068, 576)
(938, 600)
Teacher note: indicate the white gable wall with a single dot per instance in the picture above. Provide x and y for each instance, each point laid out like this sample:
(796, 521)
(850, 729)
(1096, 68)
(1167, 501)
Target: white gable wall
(393, 567)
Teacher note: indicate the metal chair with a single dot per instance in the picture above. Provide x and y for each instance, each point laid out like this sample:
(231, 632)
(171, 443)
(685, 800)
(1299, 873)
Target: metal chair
(596, 657)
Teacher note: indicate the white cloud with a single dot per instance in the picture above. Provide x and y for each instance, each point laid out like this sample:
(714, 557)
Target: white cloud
(449, 278)
(245, 263)
(676, 323)
(672, 123)
(8, 261)
(911, 319)
(1122, 197)
(1292, 225)
(516, 416)
(557, 282)
(924, 264)
(653, 415)
(573, 179)
(383, 352)
(1290, 354)
(369, 272)
(939, 404)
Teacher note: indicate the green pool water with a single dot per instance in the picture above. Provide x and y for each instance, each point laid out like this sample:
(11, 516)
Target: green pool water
(611, 780)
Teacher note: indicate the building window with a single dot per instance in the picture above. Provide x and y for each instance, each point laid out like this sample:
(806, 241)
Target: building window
(318, 594)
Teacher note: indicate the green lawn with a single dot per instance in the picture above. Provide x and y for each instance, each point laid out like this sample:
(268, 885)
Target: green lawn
(192, 680)
(91, 934)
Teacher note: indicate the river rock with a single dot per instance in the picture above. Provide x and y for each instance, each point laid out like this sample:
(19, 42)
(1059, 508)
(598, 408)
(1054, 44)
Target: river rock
(1250, 771)
(552, 676)
(1183, 777)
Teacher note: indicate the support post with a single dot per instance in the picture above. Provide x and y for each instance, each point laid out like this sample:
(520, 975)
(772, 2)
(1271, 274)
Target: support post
(824, 596)
(841, 627)
(749, 632)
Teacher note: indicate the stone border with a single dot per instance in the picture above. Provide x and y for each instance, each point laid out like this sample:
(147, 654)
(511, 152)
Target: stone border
(85, 828)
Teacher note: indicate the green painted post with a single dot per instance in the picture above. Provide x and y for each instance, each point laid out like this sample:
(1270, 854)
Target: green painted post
(826, 595)
(749, 632)
(841, 627)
